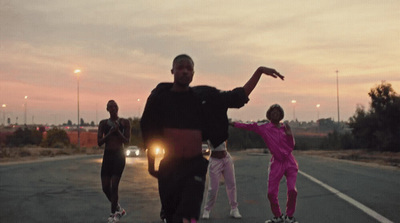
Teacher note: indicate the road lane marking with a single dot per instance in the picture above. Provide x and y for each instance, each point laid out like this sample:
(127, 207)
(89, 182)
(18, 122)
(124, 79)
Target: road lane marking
(350, 200)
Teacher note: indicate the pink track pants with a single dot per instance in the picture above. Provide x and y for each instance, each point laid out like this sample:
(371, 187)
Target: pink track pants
(216, 168)
(276, 171)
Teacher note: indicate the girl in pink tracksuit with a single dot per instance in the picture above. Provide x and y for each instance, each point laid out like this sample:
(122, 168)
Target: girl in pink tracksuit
(279, 139)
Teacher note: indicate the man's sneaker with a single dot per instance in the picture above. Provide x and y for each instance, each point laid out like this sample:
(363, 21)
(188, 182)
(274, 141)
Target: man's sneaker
(113, 218)
(206, 214)
(235, 213)
(162, 215)
(119, 215)
(120, 211)
(290, 220)
(275, 220)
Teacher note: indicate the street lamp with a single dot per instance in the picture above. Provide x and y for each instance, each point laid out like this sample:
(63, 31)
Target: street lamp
(138, 100)
(4, 114)
(25, 104)
(294, 112)
(77, 72)
(318, 105)
(96, 115)
(337, 95)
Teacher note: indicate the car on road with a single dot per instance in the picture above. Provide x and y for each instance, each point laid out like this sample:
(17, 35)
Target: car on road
(205, 149)
(132, 151)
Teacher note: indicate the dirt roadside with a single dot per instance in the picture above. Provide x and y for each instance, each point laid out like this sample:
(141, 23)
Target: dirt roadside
(364, 157)
(27, 154)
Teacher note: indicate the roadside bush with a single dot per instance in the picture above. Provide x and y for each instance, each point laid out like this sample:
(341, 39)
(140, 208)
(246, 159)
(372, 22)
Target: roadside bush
(339, 141)
(23, 137)
(242, 139)
(3, 138)
(307, 142)
(24, 153)
(46, 153)
(62, 152)
(4, 152)
(56, 138)
(378, 128)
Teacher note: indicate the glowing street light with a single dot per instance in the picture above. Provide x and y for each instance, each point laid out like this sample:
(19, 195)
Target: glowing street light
(294, 109)
(77, 72)
(138, 100)
(4, 113)
(25, 105)
(317, 106)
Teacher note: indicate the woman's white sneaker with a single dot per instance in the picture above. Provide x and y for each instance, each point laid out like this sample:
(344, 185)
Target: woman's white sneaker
(275, 220)
(206, 214)
(290, 220)
(235, 213)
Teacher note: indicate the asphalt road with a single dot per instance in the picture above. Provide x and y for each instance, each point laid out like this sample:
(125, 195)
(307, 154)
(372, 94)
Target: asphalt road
(69, 190)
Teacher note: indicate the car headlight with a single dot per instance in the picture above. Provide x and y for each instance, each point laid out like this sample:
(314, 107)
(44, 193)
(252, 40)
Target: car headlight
(127, 152)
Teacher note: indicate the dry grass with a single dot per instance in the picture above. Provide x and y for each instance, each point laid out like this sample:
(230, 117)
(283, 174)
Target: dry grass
(34, 153)
(363, 156)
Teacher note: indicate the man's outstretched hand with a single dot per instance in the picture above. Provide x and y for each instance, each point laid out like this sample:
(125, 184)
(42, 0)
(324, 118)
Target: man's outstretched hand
(271, 72)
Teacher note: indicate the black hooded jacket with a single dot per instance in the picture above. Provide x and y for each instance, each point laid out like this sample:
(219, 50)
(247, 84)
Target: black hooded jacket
(214, 107)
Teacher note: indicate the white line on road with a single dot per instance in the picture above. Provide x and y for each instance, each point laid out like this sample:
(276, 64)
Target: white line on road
(355, 203)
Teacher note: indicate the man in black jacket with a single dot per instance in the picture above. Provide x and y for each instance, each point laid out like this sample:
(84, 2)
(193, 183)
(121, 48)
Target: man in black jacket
(179, 118)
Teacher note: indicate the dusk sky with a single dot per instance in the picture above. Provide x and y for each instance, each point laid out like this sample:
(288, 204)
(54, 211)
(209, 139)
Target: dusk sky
(125, 48)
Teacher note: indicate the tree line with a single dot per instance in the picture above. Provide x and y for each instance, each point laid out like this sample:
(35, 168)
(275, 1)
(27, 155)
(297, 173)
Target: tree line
(376, 128)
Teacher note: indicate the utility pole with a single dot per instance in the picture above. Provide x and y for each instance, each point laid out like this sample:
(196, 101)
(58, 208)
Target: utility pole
(79, 136)
(25, 109)
(294, 109)
(337, 95)
(96, 115)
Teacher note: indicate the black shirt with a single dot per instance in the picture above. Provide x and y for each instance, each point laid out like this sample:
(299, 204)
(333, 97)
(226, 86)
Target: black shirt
(169, 109)
(202, 107)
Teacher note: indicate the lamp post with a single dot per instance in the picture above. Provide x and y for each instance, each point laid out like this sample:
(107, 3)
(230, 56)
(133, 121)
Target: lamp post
(138, 100)
(77, 72)
(317, 106)
(337, 95)
(25, 109)
(96, 115)
(4, 113)
(294, 109)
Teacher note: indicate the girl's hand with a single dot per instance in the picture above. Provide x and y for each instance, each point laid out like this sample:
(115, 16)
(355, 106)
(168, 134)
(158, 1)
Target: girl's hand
(288, 130)
(115, 127)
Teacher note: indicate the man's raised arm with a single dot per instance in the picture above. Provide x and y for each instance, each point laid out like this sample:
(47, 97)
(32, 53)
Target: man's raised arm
(252, 82)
